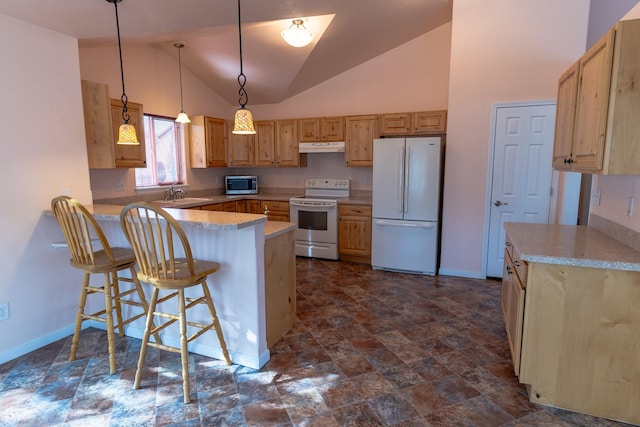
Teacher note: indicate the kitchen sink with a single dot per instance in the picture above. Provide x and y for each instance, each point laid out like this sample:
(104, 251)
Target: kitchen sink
(186, 202)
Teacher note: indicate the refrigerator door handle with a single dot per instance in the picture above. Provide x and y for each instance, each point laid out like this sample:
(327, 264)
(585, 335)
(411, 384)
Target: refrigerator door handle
(407, 162)
(400, 181)
(395, 223)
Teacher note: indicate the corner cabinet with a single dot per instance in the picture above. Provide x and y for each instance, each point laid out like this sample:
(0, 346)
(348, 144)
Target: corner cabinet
(360, 131)
(354, 233)
(102, 119)
(599, 125)
(208, 142)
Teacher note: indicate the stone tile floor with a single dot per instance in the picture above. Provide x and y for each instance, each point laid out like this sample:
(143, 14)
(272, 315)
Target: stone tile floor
(369, 348)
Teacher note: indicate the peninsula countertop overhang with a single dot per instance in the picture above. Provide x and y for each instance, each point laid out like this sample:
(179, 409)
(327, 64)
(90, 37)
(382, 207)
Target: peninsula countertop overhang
(580, 245)
(210, 220)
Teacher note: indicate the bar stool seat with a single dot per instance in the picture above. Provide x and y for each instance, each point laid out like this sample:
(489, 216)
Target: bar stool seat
(165, 261)
(80, 231)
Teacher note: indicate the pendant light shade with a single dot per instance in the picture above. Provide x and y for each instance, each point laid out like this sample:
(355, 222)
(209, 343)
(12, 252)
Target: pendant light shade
(243, 122)
(182, 116)
(297, 35)
(127, 133)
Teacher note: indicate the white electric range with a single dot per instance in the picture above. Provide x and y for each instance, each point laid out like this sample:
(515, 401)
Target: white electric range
(316, 215)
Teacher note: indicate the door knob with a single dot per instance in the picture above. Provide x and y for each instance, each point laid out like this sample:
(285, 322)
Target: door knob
(499, 203)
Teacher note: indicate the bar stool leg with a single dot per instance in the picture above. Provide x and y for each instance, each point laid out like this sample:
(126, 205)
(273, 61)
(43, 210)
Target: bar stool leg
(214, 317)
(145, 338)
(79, 317)
(143, 301)
(108, 303)
(184, 352)
(116, 291)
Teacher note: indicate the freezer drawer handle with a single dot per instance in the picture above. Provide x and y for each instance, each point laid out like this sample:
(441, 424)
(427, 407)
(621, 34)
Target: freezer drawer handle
(414, 224)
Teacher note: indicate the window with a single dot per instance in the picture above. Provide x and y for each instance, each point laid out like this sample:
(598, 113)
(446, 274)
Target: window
(164, 158)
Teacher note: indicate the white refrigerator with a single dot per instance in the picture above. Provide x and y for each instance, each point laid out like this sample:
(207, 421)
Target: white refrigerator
(406, 204)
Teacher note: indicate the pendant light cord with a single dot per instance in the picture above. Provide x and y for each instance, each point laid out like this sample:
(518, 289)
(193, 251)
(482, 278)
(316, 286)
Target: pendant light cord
(125, 113)
(179, 46)
(242, 79)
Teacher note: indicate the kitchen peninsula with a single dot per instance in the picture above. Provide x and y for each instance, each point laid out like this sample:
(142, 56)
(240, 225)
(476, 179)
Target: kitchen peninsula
(570, 298)
(254, 290)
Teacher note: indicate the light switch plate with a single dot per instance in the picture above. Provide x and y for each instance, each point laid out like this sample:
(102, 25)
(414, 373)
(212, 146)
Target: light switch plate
(596, 197)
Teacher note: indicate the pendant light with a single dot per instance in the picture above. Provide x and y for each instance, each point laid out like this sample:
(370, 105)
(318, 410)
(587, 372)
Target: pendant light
(243, 123)
(127, 133)
(297, 35)
(182, 116)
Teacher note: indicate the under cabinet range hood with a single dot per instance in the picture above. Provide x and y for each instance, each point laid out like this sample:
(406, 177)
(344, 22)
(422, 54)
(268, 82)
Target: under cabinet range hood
(321, 147)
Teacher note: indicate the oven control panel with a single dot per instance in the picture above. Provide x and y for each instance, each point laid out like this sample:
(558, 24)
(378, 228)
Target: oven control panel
(327, 183)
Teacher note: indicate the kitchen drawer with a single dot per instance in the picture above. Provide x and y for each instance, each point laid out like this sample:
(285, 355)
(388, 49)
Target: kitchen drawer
(357, 210)
(214, 207)
(276, 205)
(520, 267)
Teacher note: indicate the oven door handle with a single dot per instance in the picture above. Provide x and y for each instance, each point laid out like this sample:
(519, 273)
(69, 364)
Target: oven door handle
(312, 204)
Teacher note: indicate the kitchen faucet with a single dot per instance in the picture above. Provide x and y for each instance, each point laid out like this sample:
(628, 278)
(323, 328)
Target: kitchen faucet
(173, 193)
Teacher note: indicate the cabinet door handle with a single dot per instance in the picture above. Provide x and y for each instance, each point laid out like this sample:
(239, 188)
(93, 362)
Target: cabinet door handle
(516, 263)
(568, 161)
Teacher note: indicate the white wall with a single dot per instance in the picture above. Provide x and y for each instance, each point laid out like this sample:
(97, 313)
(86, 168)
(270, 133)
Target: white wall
(501, 51)
(42, 137)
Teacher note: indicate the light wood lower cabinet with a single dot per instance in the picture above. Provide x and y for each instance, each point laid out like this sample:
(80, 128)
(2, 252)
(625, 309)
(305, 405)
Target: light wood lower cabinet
(276, 210)
(580, 336)
(280, 285)
(354, 233)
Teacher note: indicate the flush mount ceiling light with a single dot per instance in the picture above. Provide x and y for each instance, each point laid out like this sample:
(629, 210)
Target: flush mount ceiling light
(182, 116)
(297, 35)
(127, 133)
(243, 123)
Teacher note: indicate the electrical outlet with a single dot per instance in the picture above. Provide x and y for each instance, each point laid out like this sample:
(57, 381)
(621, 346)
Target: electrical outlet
(64, 192)
(630, 206)
(596, 197)
(120, 185)
(4, 311)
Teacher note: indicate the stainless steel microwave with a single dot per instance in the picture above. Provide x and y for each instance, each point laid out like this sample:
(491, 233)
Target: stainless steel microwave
(241, 184)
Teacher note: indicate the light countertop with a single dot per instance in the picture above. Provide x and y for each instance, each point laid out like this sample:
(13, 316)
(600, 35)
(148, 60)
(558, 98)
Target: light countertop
(580, 246)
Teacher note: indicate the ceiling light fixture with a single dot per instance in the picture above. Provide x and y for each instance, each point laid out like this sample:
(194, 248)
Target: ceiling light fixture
(127, 133)
(182, 116)
(297, 35)
(243, 123)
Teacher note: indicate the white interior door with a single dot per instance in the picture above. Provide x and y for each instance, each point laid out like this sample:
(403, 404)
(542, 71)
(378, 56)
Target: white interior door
(521, 175)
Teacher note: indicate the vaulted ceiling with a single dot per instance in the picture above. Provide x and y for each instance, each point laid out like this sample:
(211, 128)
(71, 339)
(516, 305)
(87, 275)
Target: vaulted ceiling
(346, 34)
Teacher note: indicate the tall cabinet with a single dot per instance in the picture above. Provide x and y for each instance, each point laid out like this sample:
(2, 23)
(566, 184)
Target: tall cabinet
(598, 101)
(102, 119)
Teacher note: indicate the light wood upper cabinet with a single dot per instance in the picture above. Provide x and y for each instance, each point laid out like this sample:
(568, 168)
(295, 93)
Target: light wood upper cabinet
(429, 122)
(254, 150)
(241, 150)
(322, 129)
(208, 140)
(395, 124)
(102, 119)
(565, 117)
(605, 132)
(417, 123)
(360, 131)
(265, 145)
(287, 144)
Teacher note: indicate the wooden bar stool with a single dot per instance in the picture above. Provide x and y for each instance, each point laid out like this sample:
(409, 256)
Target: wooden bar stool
(80, 231)
(165, 261)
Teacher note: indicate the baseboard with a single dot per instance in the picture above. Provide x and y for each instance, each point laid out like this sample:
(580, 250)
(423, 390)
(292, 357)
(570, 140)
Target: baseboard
(37, 343)
(461, 273)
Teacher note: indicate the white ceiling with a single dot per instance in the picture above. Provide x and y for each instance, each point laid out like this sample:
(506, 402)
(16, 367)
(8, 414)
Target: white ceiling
(352, 32)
